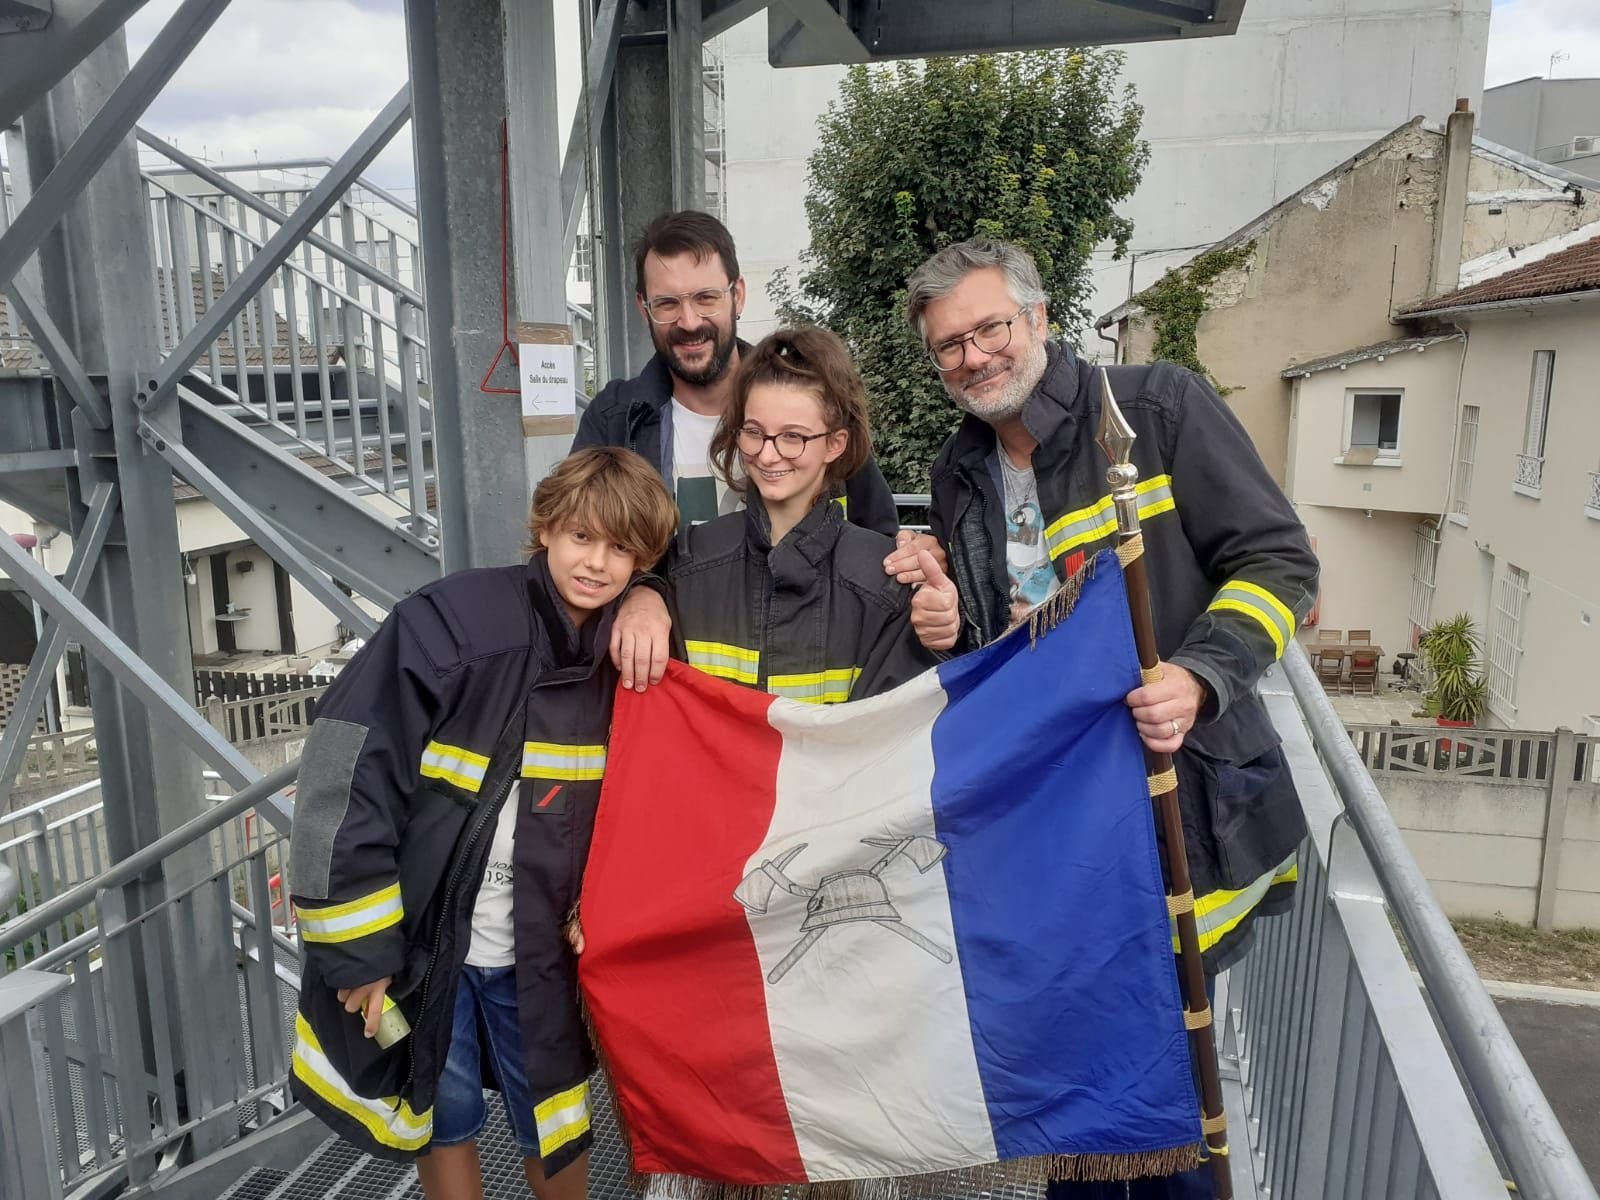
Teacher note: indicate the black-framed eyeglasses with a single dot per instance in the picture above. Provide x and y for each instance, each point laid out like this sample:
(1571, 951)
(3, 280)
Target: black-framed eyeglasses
(991, 337)
(708, 302)
(751, 442)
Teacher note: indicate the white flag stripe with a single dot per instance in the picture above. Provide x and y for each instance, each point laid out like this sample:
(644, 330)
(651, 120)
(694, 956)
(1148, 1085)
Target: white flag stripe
(868, 1041)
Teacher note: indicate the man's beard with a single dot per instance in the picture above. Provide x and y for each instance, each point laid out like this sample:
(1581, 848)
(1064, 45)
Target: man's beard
(722, 348)
(1026, 371)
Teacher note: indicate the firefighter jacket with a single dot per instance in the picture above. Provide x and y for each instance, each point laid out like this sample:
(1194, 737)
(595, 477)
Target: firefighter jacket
(1231, 577)
(637, 413)
(476, 692)
(813, 618)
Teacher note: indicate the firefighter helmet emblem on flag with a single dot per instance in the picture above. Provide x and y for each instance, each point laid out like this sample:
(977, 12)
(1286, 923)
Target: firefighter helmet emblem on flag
(844, 897)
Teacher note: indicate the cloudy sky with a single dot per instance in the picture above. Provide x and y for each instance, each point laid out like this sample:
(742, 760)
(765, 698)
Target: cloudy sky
(294, 78)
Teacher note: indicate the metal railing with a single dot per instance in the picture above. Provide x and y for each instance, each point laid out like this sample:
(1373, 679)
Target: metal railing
(263, 718)
(214, 1059)
(1530, 471)
(1355, 1084)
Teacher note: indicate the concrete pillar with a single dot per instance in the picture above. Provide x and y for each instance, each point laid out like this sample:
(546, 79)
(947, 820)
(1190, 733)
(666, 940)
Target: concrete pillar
(1562, 767)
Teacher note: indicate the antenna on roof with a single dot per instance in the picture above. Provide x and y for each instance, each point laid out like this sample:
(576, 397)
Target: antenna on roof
(1560, 56)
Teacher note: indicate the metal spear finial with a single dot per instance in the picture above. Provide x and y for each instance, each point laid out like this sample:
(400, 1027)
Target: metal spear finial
(1116, 438)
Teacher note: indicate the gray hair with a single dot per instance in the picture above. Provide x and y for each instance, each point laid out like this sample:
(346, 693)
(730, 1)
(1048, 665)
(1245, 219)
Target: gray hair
(941, 274)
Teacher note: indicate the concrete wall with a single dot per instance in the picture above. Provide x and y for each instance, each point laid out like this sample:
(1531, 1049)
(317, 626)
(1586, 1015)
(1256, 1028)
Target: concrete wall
(1507, 207)
(1416, 481)
(1235, 124)
(1366, 572)
(1552, 537)
(1534, 115)
(1481, 846)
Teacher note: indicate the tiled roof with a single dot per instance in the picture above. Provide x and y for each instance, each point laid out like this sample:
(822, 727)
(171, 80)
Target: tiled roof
(1573, 270)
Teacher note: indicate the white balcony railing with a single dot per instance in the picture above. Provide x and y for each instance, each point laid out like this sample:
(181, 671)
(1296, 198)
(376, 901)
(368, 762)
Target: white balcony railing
(1530, 471)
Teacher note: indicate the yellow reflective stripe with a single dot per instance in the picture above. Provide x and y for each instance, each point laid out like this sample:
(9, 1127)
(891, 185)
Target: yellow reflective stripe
(725, 661)
(562, 1118)
(352, 919)
(1254, 601)
(816, 687)
(1099, 520)
(555, 760)
(456, 765)
(390, 1121)
(1218, 913)
(844, 504)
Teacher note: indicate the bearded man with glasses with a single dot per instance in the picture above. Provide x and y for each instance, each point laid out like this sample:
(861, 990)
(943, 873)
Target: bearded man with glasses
(689, 290)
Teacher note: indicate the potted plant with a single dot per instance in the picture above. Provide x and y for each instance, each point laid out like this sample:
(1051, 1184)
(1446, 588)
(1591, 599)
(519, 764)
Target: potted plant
(1459, 692)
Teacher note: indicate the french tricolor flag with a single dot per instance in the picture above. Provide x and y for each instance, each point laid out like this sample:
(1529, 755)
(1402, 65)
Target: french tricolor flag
(909, 936)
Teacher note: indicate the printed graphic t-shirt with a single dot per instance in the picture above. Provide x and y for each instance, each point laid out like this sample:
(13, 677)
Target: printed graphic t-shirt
(491, 915)
(1027, 557)
(701, 495)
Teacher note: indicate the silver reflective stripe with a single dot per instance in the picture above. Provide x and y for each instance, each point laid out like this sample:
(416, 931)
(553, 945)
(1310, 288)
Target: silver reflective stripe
(556, 760)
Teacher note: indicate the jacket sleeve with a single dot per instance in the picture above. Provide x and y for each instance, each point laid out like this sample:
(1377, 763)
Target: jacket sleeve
(871, 503)
(1248, 541)
(594, 427)
(893, 654)
(362, 759)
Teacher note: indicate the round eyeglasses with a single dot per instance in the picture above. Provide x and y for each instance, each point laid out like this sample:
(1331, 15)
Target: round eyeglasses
(707, 302)
(991, 337)
(751, 442)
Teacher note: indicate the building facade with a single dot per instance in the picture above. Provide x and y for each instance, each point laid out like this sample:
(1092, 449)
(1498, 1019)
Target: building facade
(1234, 124)
(1554, 120)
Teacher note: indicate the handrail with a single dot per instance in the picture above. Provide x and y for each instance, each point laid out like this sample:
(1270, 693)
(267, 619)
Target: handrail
(297, 164)
(71, 793)
(13, 933)
(1525, 1128)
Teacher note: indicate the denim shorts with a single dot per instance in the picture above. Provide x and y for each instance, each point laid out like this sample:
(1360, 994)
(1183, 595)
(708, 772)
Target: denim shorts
(485, 1042)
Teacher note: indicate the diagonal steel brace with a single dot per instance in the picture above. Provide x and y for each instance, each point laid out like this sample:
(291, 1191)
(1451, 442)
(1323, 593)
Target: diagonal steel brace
(261, 531)
(136, 675)
(266, 261)
(47, 654)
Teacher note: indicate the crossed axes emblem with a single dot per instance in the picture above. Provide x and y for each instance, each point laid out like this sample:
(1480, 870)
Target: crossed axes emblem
(844, 897)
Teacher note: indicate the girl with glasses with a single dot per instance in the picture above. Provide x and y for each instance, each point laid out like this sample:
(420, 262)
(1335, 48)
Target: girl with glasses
(787, 596)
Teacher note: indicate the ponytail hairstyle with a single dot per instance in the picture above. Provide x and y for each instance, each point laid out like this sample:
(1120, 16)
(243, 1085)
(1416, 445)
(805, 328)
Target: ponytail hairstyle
(808, 357)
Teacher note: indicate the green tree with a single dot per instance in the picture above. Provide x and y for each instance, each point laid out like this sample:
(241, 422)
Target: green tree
(1036, 148)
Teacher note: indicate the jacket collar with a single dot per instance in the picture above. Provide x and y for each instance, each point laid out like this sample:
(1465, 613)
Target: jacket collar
(805, 548)
(564, 644)
(1053, 410)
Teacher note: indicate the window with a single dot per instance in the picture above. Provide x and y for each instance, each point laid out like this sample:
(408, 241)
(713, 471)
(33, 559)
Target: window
(1424, 567)
(1372, 428)
(1530, 463)
(583, 259)
(1505, 641)
(1466, 455)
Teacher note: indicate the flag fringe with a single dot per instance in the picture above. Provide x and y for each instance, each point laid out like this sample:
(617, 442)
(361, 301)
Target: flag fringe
(985, 1179)
(1050, 612)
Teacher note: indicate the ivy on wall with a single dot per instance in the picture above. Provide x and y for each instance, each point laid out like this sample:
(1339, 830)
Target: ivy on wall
(1178, 300)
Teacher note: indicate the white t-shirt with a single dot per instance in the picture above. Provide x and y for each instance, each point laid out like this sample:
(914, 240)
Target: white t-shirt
(700, 493)
(492, 942)
(1027, 555)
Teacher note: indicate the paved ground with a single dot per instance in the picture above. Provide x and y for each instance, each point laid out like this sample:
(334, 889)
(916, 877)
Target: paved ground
(1562, 1044)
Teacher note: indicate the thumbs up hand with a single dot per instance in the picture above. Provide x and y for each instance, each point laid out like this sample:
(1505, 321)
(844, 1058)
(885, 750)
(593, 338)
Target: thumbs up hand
(935, 606)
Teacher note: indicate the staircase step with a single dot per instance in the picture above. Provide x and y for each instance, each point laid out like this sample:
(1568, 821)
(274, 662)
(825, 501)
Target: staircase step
(258, 1185)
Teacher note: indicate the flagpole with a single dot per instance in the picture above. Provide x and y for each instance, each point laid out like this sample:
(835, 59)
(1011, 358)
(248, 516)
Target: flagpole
(1116, 438)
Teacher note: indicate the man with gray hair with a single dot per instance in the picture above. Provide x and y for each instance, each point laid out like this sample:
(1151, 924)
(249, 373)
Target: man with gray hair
(1020, 500)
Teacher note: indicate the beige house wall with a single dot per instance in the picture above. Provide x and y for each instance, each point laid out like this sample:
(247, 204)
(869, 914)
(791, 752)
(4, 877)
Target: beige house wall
(1418, 480)
(1366, 572)
(1552, 537)
(1505, 207)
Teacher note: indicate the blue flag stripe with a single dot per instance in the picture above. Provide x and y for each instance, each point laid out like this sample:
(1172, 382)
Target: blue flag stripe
(1039, 793)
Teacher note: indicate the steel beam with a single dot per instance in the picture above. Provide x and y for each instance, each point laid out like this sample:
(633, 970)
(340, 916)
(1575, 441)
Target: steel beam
(536, 187)
(602, 65)
(64, 363)
(31, 66)
(262, 532)
(326, 524)
(105, 132)
(256, 204)
(1165, 10)
(459, 99)
(38, 460)
(719, 16)
(828, 27)
(41, 674)
(131, 671)
(264, 264)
